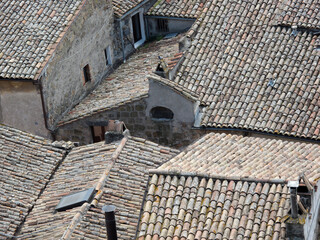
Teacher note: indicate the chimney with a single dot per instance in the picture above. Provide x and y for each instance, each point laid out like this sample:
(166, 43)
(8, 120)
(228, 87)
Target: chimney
(294, 222)
(110, 221)
(116, 130)
(293, 186)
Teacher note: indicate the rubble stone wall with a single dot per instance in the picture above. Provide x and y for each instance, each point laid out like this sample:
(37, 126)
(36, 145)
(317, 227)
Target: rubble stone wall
(83, 43)
(170, 133)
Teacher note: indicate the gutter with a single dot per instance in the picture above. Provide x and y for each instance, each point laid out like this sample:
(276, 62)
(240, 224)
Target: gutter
(302, 139)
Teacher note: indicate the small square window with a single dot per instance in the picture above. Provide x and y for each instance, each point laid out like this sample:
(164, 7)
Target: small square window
(86, 73)
(107, 54)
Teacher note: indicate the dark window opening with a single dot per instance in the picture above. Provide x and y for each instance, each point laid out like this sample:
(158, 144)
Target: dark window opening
(137, 34)
(161, 113)
(86, 73)
(98, 133)
(107, 54)
(162, 25)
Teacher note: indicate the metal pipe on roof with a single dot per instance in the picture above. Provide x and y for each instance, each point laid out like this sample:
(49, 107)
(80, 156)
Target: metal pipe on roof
(110, 221)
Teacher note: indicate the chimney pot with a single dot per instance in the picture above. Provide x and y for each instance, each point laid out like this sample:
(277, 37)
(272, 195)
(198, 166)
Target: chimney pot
(110, 221)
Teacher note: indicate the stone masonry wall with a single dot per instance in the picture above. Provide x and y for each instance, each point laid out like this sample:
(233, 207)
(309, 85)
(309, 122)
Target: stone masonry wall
(84, 43)
(170, 133)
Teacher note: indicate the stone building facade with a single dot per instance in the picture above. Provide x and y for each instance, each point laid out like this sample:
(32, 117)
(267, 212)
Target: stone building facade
(61, 53)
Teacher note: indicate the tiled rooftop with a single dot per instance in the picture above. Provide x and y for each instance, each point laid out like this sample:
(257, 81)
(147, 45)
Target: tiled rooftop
(192, 207)
(127, 83)
(119, 171)
(26, 164)
(250, 74)
(29, 33)
(120, 7)
(80, 170)
(177, 8)
(254, 157)
(300, 13)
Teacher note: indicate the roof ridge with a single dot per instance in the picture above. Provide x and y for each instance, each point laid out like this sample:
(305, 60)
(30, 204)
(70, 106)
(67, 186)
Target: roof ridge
(100, 184)
(215, 176)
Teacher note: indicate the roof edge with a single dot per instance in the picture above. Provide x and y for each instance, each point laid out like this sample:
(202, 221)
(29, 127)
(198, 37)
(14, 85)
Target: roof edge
(215, 176)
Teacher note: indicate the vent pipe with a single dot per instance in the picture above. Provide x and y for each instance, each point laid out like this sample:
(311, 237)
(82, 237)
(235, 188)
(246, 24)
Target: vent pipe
(293, 185)
(110, 221)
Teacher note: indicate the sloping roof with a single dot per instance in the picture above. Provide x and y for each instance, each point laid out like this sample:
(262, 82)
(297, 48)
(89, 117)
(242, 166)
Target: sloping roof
(250, 74)
(120, 7)
(177, 8)
(192, 207)
(254, 157)
(127, 83)
(117, 170)
(29, 33)
(26, 165)
(300, 13)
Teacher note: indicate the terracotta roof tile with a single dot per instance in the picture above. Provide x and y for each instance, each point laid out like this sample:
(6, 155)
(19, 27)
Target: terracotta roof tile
(120, 7)
(193, 207)
(122, 166)
(177, 8)
(300, 13)
(127, 83)
(26, 165)
(237, 156)
(29, 31)
(251, 74)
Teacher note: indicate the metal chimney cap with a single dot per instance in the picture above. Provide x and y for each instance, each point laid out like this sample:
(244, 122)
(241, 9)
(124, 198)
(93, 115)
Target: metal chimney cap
(293, 184)
(108, 208)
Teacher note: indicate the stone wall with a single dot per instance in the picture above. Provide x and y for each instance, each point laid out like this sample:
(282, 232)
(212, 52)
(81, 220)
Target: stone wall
(134, 115)
(21, 107)
(84, 43)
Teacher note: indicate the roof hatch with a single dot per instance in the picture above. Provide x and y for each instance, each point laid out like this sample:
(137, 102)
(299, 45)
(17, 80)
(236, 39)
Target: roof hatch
(75, 199)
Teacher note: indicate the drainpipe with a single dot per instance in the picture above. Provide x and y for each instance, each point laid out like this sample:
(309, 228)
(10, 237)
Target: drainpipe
(122, 41)
(110, 221)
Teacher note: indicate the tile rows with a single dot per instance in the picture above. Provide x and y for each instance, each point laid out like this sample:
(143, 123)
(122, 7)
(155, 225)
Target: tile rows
(255, 157)
(124, 188)
(29, 30)
(127, 83)
(120, 7)
(177, 8)
(26, 164)
(80, 170)
(251, 74)
(300, 13)
(191, 207)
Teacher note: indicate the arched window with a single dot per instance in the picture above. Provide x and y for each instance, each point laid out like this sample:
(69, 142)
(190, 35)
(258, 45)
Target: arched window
(161, 113)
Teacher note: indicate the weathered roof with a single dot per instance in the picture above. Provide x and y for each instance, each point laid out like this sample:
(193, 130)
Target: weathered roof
(127, 83)
(26, 165)
(177, 8)
(118, 171)
(30, 31)
(251, 74)
(120, 7)
(300, 13)
(234, 156)
(192, 207)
